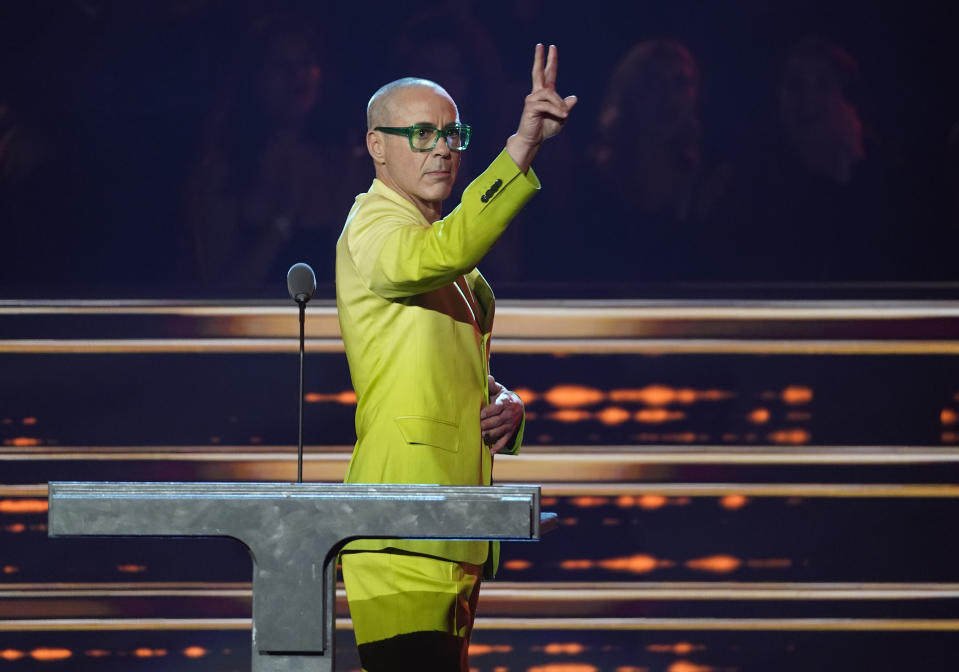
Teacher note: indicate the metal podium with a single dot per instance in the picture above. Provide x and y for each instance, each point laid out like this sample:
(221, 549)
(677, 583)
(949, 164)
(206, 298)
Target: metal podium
(293, 532)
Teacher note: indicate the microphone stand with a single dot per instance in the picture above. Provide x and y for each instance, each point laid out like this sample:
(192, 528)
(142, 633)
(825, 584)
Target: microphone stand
(299, 452)
(301, 282)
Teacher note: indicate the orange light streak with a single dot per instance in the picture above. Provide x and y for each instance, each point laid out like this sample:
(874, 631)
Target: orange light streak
(588, 501)
(10, 569)
(715, 564)
(526, 394)
(949, 437)
(614, 415)
(195, 652)
(96, 653)
(572, 396)
(23, 506)
(11, 654)
(759, 416)
(630, 668)
(656, 416)
(16, 528)
(570, 415)
(150, 653)
(22, 442)
(733, 502)
(635, 564)
(798, 416)
(679, 648)
(770, 563)
(564, 667)
(483, 649)
(797, 394)
(346, 397)
(29, 421)
(573, 565)
(48, 654)
(686, 666)
(517, 565)
(131, 569)
(791, 437)
(570, 648)
(948, 416)
(549, 501)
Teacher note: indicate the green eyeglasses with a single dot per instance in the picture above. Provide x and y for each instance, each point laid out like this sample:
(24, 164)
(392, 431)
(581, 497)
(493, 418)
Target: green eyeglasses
(423, 137)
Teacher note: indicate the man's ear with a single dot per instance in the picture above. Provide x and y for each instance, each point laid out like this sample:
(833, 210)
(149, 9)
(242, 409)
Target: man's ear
(376, 147)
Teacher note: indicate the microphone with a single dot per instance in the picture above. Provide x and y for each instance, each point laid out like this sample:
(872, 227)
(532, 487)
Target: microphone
(301, 282)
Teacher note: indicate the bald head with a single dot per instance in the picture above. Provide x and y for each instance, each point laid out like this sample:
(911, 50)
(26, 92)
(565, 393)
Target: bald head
(381, 109)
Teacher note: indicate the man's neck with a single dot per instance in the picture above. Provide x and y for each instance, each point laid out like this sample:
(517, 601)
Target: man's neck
(432, 211)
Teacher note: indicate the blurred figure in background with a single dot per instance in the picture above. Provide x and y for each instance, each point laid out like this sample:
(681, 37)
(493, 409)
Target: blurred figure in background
(817, 203)
(263, 193)
(655, 188)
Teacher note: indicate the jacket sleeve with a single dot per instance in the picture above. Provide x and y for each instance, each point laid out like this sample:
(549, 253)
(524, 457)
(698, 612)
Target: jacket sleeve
(397, 257)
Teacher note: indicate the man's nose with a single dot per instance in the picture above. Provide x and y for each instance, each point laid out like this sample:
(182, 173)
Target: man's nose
(445, 149)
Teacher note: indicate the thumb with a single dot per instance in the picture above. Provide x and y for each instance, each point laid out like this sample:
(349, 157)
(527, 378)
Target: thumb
(570, 102)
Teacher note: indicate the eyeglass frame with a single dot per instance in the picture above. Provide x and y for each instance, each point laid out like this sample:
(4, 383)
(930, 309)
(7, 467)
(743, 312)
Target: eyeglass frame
(463, 129)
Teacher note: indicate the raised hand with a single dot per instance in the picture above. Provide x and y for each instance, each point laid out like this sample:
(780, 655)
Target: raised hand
(544, 112)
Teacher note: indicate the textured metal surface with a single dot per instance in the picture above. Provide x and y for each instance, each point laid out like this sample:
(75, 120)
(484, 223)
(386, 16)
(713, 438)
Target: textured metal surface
(293, 531)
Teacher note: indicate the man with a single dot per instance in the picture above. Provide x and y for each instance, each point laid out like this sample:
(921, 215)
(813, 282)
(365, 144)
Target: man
(416, 316)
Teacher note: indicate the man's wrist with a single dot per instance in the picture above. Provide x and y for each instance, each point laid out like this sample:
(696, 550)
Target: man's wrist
(521, 151)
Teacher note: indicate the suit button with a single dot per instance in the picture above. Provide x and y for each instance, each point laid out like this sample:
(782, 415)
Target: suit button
(484, 198)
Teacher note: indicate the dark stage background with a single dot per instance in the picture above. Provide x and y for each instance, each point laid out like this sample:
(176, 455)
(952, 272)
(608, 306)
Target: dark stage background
(732, 313)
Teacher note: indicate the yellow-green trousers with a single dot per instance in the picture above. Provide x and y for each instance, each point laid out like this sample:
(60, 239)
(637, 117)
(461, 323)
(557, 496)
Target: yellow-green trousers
(411, 611)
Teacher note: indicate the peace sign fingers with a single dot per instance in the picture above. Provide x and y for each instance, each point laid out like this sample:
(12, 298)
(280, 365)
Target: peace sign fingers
(545, 76)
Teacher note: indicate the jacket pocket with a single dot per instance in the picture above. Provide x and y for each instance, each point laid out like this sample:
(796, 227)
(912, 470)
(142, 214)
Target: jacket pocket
(418, 430)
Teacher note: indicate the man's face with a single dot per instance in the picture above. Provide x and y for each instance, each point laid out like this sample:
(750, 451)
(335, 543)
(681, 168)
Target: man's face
(422, 177)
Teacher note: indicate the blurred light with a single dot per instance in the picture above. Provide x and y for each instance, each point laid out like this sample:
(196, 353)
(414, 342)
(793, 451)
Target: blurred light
(634, 564)
(195, 652)
(483, 649)
(47, 654)
(576, 564)
(797, 394)
(792, 437)
(150, 653)
(23, 506)
(131, 569)
(686, 666)
(566, 396)
(655, 416)
(16, 528)
(588, 501)
(570, 415)
(10, 569)
(96, 653)
(29, 421)
(948, 416)
(759, 416)
(346, 397)
(614, 415)
(733, 502)
(564, 667)
(679, 648)
(526, 394)
(716, 564)
(22, 442)
(11, 654)
(571, 649)
(517, 565)
(770, 563)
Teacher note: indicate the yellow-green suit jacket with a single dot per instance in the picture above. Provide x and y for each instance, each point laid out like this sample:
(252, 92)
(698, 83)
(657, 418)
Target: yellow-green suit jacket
(415, 316)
